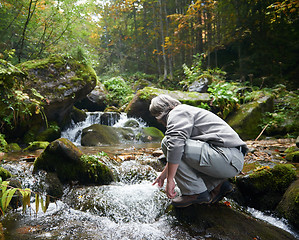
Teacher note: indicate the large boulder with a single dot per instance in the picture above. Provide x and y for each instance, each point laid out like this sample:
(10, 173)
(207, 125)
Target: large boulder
(246, 119)
(98, 135)
(222, 222)
(264, 188)
(69, 163)
(62, 81)
(138, 107)
(289, 205)
(96, 100)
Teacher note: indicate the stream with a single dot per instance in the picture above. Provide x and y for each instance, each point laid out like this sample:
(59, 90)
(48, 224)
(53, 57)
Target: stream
(128, 209)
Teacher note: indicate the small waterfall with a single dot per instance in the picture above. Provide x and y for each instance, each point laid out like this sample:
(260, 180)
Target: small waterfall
(74, 130)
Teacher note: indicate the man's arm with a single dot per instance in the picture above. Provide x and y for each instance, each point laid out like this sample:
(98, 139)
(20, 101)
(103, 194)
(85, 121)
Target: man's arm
(170, 185)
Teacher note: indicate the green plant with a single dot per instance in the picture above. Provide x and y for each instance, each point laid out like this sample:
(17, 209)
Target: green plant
(3, 143)
(197, 72)
(119, 91)
(8, 192)
(224, 97)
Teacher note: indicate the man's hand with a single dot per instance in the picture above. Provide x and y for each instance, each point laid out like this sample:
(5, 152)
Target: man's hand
(170, 185)
(159, 180)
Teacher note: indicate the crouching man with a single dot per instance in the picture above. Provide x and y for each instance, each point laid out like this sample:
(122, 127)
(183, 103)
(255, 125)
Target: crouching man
(201, 149)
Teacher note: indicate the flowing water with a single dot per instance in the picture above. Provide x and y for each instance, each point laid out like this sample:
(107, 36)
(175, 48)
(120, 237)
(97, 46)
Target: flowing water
(129, 209)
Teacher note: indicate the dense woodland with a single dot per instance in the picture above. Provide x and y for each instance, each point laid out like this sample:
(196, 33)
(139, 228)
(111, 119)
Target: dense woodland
(252, 40)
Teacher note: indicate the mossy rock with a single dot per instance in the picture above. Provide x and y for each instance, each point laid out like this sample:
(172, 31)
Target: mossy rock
(40, 133)
(14, 147)
(4, 174)
(78, 115)
(263, 189)
(222, 222)
(132, 123)
(293, 157)
(139, 105)
(246, 119)
(69, 163)
(97, 135)
(37, 145)
(50, 134)
(289, 205)
(8, 74)
(151, 134)
(3, 143)
(62, 81)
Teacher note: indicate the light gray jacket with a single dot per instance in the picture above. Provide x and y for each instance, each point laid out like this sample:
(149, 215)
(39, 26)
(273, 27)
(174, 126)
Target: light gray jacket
(188, 122)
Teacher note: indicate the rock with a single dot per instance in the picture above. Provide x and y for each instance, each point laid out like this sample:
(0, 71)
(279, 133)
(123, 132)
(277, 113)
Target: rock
(221, 222)
(140, 84)
(200, 86)
(263, 189)
(48, 183)
(16, 200)
(8, 73)
(289, 205)
(132, 123)
(109, 118)
(62, 81)
(14, 147)
(246, 119)
(78, 115)
(42, 133)
(138, 107)
(4, 174)
(151, 134)
(97, 135)
(3, 144)
(293, 157)
(132, 172)
(96, 100)
(69, 163)
(36, 145)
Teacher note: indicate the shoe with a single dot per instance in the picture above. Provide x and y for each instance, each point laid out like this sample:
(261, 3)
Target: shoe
(187, 200)
(219, 192)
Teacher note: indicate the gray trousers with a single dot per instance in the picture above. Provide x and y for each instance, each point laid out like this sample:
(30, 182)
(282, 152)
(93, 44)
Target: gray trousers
(204, 166)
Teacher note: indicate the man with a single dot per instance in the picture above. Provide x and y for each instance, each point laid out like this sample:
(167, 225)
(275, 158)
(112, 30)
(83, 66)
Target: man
(201, 149)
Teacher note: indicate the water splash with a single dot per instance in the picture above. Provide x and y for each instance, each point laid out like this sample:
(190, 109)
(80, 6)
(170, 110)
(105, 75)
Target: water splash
(74, 130)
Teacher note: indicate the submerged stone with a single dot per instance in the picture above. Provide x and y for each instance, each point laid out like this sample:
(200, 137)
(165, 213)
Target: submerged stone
(69, 163)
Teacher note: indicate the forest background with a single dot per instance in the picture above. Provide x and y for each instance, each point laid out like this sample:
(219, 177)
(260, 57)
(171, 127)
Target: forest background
(251, 40)
(168, 43)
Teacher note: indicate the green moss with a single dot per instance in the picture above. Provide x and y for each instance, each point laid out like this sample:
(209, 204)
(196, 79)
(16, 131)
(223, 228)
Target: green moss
(293, 156)
(289, 205)
(3, 144)
(95, 171)
(276, 179)
(64, 158)
(4, 174)
(14, 147)
(37, 145)
(151, 134)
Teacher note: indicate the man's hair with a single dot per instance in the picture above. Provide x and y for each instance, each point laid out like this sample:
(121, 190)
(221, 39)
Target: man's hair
(161, 105)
